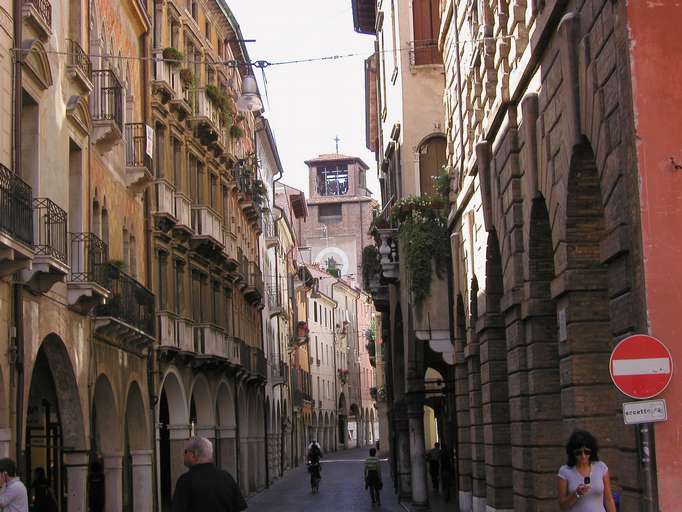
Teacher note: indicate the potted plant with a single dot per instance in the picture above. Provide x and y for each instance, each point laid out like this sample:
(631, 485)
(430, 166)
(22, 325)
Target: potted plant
(236, 132)
(187, 77)
(370, 265)
(173, 56)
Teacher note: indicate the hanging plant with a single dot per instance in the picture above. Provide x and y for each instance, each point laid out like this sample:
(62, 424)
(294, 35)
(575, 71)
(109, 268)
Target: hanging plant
(236, 132)
(187, 77)
(424, 238)
(370, 264)
(173, 56)
(378, 222)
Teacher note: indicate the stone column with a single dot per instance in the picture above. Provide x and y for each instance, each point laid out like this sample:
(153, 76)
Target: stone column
(113, 482)
(76, 464)
(402, 448)
(420, 489)
(179, 434)
(228, 449)
(143, 500)
(244, 458)
(5, 441)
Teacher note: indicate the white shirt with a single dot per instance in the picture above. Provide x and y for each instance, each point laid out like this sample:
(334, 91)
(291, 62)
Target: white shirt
(13, 496)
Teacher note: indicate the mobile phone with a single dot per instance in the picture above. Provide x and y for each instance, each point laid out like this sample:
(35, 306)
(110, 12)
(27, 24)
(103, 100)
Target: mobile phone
(587, 480)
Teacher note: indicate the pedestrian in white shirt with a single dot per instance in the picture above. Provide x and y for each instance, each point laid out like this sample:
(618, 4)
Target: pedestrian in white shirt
(13, 495)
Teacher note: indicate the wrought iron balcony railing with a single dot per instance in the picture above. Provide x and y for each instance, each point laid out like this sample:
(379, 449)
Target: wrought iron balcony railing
(16, 217)
(130, 301)
(44, 9)
(136, 145)
(50, 233)
(106, 102)
(78, 58)
(203, 106)
(260, 365)
(88, 259)
(245, 356)
(274, 297)
(256, 277)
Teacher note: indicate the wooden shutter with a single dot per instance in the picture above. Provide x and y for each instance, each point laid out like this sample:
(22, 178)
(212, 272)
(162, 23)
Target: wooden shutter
(426, 25)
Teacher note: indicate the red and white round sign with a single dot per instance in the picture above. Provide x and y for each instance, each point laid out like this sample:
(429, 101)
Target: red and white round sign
(641, 366)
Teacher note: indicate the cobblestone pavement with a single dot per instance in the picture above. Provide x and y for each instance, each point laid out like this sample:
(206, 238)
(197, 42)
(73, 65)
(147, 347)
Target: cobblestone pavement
(342, 488)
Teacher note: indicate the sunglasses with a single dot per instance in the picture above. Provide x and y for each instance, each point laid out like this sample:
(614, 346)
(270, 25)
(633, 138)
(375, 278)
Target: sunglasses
(582, 451)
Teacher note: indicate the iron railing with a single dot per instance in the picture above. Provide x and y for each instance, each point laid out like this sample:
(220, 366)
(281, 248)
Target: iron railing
(89, 256)
(130, 301)
(136, 145)
(255, 277)
(50, 238)
(78, 58)
(44, 9)
(260, 364)
(107, 100)
(16, 217)
(268, 224)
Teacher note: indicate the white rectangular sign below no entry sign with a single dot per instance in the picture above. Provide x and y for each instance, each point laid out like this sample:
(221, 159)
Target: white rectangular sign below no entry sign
(645, 411)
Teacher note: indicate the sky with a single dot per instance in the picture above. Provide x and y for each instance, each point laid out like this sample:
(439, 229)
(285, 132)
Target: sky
(309, 104)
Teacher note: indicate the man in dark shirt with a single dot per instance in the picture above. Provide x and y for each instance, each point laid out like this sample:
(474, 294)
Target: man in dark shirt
(204, 487)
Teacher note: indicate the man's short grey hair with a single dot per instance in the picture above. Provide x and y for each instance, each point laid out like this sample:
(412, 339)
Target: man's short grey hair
(201, 447)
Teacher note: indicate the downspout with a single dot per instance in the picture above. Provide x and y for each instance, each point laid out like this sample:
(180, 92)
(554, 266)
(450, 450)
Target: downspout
(16, 287)
(237, 437)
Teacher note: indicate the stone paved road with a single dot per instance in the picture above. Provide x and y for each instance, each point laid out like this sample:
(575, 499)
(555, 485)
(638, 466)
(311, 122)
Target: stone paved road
(342, 488)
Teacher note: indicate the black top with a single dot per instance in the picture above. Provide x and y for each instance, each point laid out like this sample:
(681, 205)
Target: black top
(206, 488)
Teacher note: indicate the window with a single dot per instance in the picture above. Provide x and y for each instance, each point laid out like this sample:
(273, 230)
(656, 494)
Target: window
(177, 164)
(159, 149)
(195, 10)
(315, 311)
(332, 180)
(225, 202)
(163, 275)
(426, 19)
(207, 29)
(214, 191)
(179, 286)
(329, 212)
(432, 157)
(216, 303)
(196, 292)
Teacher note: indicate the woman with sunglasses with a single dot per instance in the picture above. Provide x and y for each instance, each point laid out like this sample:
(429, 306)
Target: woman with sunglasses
(584, 483)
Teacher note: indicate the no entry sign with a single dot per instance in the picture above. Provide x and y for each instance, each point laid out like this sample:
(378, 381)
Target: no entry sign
(641, 366)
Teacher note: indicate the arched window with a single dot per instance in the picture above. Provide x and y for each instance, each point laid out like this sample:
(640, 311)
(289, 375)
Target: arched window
(105, 223)
(432, 158)
(96, 218)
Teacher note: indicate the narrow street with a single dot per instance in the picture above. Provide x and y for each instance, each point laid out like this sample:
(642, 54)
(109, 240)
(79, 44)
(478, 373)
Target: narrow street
(342, 488)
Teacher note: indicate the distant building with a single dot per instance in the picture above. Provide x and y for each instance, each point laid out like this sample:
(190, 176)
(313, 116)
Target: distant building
(340, 212)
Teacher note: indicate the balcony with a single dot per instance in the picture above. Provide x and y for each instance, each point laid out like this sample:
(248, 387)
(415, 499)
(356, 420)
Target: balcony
(279, 373)
(163, 209)
(269, 231)
(106, 109)
(274, 300)
(16, 223)
(388, 253)
(233, 350)
(204, 114)
(128, 316)
(211, 347)
(175, 333)
(138, 156)
(254, 284)
(242, 268)
(183, 214)
(207, 238)
(50, 264)
(38, 14)
(166, 81)
(88, 283)
(78, 66)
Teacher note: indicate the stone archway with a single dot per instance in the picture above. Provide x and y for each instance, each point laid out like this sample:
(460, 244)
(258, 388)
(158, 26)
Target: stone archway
(201, 410)
(137, 474)
(226, 429)
(173, 421)
(55, 431)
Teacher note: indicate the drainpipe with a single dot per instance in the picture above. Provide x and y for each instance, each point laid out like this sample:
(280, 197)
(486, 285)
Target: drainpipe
(18, 355)
(237, 436)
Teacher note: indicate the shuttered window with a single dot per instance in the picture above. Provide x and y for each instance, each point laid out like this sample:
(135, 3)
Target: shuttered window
(426, 18)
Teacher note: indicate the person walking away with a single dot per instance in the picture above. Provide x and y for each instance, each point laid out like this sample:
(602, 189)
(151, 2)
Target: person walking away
(373, 476)
(13, 495)
(43, 499)
(314, 452)
(447, 471)
(584, 484)
(96, 482)
(204, 487)
(434, 459)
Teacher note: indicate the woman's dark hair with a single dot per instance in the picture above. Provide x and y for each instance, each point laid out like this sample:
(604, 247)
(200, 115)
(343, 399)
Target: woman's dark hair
(372, 452)
(581, 439)
(8, 466)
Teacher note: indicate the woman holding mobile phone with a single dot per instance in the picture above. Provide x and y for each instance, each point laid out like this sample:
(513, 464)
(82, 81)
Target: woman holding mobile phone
(584, 483)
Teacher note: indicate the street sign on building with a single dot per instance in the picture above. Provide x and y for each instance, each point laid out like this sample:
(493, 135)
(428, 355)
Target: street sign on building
(645, 411)
(641, 366)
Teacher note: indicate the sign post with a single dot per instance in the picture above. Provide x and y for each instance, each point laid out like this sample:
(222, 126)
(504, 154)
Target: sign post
(641, 367)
